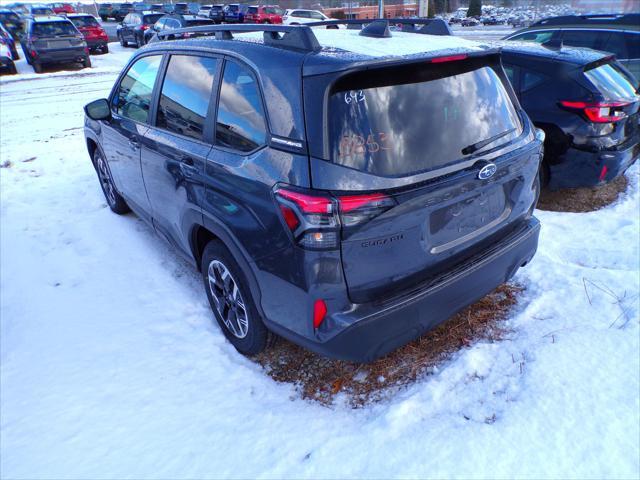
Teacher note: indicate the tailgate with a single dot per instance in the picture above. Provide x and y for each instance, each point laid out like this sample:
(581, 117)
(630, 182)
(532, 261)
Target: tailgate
(439, 162)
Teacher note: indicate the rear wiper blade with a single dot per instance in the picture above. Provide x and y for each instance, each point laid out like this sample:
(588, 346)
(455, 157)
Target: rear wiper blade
(474, 147)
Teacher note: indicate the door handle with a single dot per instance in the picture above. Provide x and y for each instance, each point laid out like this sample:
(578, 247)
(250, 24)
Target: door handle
(134, 144)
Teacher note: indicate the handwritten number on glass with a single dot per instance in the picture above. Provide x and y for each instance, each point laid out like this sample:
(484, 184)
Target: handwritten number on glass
(353, 96)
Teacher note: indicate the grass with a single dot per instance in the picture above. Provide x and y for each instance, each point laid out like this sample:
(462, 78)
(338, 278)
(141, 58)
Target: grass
(322, 379)
(582, 199)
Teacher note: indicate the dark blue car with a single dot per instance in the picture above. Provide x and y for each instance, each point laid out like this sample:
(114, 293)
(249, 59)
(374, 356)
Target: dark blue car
(397, 190)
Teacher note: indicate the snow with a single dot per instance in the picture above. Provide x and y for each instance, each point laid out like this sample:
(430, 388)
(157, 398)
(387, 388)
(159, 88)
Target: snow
(111, 366)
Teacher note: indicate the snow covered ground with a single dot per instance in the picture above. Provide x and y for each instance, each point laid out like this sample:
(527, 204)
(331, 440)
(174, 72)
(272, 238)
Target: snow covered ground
(111, 366)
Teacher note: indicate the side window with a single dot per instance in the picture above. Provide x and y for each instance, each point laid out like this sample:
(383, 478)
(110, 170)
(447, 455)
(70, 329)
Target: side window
(633, 44)
(585, 38)
(186, 90)
(538, 37)
(531, 79)
(512, 75)
(316, 15)
(240, 124)
(133, 98)
(616, 44)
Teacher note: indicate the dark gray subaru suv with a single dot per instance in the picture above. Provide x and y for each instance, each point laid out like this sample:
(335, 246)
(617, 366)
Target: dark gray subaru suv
(342, 189)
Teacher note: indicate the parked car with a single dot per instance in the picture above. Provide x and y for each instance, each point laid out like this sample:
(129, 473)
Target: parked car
(173, 21)
(193, 8)
(62, 8)
(586, 103)
(349, 225)
(157, 7)
(121, 10)
(141, 7)
(618, 34)
(95, 36)
(134, 26)
(470, 22)
(9, 41)
(7, 65)
(12, 22)
(216, 13)
(180, 8)
(235, 12)
(298, 16)
(105, 11)
(264, 14)
(40, 10)
(204, 10)
(53, 40)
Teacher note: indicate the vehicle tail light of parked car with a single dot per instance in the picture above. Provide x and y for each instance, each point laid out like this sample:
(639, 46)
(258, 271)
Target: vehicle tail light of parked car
(315, 219)
(599, 112)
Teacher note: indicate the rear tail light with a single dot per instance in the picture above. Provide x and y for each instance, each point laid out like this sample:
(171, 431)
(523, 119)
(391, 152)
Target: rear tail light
(315, 218)
(450, 58)
(319, 312)
(598, 112)
(144, 27)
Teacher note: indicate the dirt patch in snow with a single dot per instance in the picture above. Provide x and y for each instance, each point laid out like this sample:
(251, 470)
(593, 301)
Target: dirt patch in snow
(321, 379)
(582, 199)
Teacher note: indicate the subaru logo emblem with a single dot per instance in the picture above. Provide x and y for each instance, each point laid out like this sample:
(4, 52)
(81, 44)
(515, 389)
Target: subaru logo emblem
(487, 171)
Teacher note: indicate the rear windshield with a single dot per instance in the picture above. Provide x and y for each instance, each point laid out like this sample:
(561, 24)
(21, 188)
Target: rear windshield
(87, 21)
(253, 9)
(41, 11)
(152, 18)
(612, 82)
(50, 29)
(419, 122)
(216, 8)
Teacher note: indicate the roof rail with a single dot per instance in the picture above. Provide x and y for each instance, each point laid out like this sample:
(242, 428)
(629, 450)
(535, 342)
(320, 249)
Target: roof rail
(614, 18)
(429, 26)
(298, 37)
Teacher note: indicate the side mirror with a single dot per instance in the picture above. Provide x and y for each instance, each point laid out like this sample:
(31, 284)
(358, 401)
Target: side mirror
(98, 109)
(540, 135)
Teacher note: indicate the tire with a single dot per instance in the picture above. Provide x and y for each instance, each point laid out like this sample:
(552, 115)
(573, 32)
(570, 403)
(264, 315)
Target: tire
(12, 69)
(104, 49)
(139, 42)
(37, 67)
(543, 174)
(115, 201)
(87, 62)
(251, 336)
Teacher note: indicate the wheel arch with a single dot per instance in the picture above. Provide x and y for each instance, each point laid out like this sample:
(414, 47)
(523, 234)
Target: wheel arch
(201, 235)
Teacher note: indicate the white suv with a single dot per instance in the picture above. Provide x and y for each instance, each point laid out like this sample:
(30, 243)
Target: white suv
(297, 16)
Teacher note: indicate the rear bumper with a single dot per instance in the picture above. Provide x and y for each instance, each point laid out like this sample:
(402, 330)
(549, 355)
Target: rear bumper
(579, 168)
(60, 56)
(96, 42)
(375, 329)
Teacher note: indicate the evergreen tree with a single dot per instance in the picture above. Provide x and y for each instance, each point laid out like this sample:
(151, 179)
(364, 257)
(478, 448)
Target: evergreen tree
(432, 9)
(475, 8)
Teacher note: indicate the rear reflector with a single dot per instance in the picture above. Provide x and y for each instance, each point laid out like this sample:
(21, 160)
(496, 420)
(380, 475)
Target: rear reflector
(319, 312)
(450, 58)
(603, 173)
(598, 112)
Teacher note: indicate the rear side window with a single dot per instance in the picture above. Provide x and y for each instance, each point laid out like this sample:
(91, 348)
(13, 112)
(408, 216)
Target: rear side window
(585, 38)
(611, 82)
(425, 123)
(133, 97)
(538, 37)
(633, 44)
(185, 95)
(147, 19)
(531, 79)
(241, 123)
(87, 21)
(51, 29)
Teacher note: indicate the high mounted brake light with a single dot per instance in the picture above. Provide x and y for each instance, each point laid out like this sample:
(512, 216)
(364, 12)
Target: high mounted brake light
(598, 112)
(450, 58)
(315, 218)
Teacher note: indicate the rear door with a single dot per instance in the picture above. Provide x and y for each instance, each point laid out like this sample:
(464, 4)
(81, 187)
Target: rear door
(434, 151)
(176, 146)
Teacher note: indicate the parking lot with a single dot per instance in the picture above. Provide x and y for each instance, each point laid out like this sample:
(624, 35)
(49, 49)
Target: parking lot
(112, 365)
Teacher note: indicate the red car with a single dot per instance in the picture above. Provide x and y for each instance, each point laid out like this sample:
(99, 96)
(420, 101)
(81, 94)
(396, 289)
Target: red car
(264, 14)
(62, 8)
(93, 33)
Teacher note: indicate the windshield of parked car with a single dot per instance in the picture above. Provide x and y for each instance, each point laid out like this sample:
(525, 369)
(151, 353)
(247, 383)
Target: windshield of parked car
(87, 21)
(53, 29)
(419, 120)
(612, 82)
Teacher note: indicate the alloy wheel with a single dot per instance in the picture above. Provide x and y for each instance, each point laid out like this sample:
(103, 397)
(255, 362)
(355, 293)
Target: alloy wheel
(105, 180)
(228, 299)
